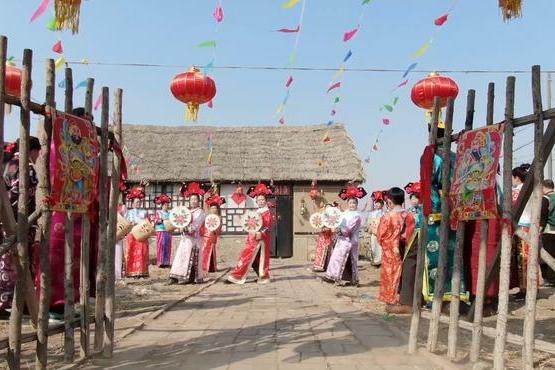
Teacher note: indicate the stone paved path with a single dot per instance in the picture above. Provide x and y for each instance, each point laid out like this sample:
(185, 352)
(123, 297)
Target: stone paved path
(295, 322)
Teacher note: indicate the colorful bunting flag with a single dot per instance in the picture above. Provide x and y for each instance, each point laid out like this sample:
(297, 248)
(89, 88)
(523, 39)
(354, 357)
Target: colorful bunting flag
(336, 100)
(395, 100)
(441, 20)
(333, 112)
(364, 2)
(84, 61)
(422, 49)
(330, 122)
(98, 101)
(385, 121)
(58, 48)
(53, 24)
(40, 10)
(350, 34)
(349, 54)
(210, 104)
(206, 44)
(81, 84)
(281, 120)
(409, 69)
(375, 147)
(334, 86)
(60, 62)
(290, 30)
(289, 81)
(289, 4)
(403, 83)
(62, 84)
(219, 14)
(388, 108)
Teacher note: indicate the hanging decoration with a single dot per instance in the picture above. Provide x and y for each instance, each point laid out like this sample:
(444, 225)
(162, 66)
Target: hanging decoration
(193, 88)
(58, 48)
(13, 80)
(511, 9)
(67, 14)
(40, 10)
(314, 192)
(424, 91)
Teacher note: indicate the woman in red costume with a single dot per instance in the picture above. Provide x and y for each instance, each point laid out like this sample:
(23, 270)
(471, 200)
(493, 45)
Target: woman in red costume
(210, 238)
(256, 252)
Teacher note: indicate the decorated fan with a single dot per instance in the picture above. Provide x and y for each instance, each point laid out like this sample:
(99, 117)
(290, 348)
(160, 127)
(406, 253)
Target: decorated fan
(212, 222)
(180, 217)
(331, 218)
(316, 220)
(251, 222)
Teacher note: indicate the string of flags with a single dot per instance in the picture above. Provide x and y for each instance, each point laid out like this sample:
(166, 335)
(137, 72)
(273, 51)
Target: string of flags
(394, 99)
(335, 84)
(280, 111)
(218, 15)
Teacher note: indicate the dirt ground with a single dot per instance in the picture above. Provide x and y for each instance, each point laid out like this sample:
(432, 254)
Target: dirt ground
(138, 298)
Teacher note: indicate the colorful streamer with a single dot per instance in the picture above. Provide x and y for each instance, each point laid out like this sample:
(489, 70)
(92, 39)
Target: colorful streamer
(350, 34)
(40, 10)
(334, 86)
(290, 30)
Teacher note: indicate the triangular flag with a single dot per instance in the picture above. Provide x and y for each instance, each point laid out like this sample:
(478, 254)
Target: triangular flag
(422, 49)
(333, 112)
(350, 34)
(330, 123)
(403, 83)
(336, 99)
(364, 2)
(289, 81)
(58, 48)
(81, 84)
(210, 104)
(62, 84)
(53, 24)
(339, 72)
(388, 107)
(60, 62)
(281, 120)
(84, 61)
(367, 160)
(292, 58)
(395, 100)
(98, 101)
(42, 7)
(334, 86)
(206, 44)
(440, 20)
(289, 4)
(385, 121)
(208, 68)
(219, 14)
(10, 60)
(290, 30)
(410, 68)
(280, 108)
(349, 54)
(375, 147)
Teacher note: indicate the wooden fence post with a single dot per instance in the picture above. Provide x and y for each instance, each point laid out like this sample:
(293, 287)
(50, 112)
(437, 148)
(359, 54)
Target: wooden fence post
(452, 337)
(421, 251)
(533, 251)
(444, 231)
(112, 229)
(69, 289)
(14, 351)
(506, 227)
(43, 189)
(84, 335)
(103, 212)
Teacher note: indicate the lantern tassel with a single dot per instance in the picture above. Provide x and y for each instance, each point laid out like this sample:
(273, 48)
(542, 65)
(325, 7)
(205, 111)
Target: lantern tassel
(191, 113)
(67, 14)
(511, 9)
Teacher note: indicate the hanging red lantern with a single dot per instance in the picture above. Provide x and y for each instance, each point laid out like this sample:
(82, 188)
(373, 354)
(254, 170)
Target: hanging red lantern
(13, 80)
(193, 88)
(424, 92)
(314, 193)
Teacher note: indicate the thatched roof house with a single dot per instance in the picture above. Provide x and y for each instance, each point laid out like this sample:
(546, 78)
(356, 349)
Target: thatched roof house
(284, 153)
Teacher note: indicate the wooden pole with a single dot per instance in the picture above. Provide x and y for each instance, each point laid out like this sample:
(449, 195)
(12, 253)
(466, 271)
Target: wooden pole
(84, 330)
(43, 189)
(112, 229)
(103, 206)
(14, 352)
(506, 226)
(550, 156)
(69, 289)
(533, 251)
(482, 255)
(421, 251)
(452, 336)
(444, 230)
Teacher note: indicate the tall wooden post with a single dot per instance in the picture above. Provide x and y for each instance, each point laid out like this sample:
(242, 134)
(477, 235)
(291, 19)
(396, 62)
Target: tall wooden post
(84, 335)
(452, 337)
(43, 189)
(444, 231)
(482, 255)
(14, 350)
(533, 251)
(69, 289)
(103, 205)
(421, 251)
(112, 229)
(506, 227)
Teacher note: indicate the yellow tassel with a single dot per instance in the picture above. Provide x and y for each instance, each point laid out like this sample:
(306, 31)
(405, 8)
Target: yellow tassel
(511, 9)
(191, 112)
(67, 14)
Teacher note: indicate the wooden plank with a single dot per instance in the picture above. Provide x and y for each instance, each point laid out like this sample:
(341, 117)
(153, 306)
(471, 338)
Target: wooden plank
(452, 337)
(445, 227)
(420, 253)
(506, 237)
(515, 339)
(14, 352)
(103, 213)
(535, 232)
(43, 189)
(112, 229)
(69, 289)
(482, 255)
(84, 329)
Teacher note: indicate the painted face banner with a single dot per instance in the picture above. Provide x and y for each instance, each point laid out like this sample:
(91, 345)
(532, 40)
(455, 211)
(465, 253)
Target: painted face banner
(473, 193)
(74, 164)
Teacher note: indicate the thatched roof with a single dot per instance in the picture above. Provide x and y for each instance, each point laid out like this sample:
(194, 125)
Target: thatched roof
(284, 153)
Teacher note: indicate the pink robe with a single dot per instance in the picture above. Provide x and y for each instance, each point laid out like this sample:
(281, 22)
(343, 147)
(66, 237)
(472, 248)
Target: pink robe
(187, 263)
(256, 253)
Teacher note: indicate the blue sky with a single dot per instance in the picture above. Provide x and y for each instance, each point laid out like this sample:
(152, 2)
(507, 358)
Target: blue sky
(166, 32)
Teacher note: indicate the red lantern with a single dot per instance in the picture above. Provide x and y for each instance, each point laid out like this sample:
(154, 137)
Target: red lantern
(193, 88)
(424, 92)
(314, 193)
(13, 80)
